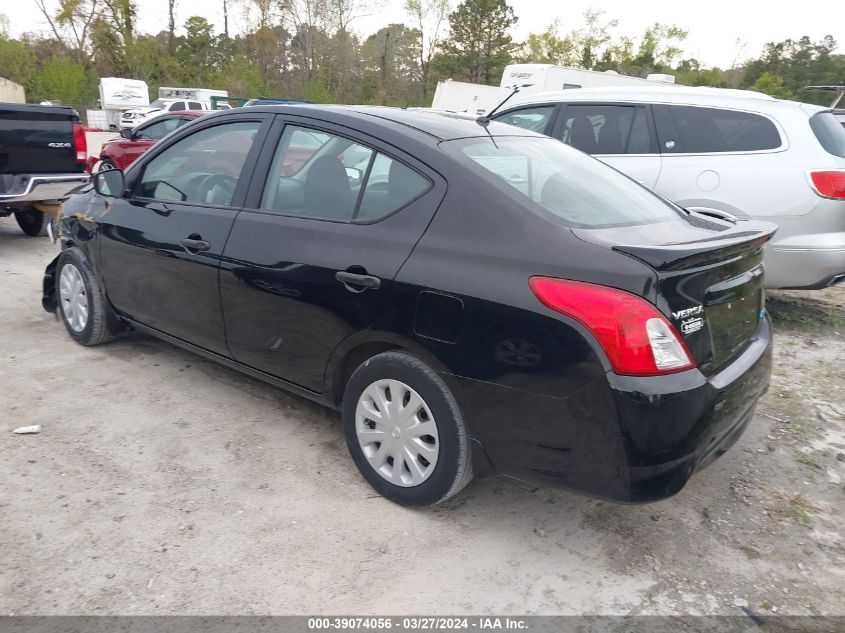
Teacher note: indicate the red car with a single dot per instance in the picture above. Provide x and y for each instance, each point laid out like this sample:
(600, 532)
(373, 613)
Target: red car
(122, 152)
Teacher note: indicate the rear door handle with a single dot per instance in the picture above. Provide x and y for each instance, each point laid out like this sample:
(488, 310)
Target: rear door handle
(195, 244)
(354, 279)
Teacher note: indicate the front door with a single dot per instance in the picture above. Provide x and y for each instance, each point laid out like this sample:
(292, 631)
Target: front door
(621, 135)
(161, 244)
(312, 258)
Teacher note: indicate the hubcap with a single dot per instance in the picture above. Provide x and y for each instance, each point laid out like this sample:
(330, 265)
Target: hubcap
(74, 298)
(397, 433)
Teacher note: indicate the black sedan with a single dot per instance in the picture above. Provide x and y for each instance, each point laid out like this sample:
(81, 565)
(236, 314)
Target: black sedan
(473, 298)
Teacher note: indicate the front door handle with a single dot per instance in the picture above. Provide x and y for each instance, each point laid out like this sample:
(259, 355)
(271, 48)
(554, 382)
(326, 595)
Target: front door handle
(195, 244)
(357, 281)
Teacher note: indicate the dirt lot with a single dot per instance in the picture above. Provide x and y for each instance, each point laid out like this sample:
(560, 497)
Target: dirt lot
(165, 483)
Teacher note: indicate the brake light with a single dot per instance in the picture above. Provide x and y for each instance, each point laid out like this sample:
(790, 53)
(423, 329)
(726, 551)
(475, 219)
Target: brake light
(830, 184)
(80, 144)
(637, 338)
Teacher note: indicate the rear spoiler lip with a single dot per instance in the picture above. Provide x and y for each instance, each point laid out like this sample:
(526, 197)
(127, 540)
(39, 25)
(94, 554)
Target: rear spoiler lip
(747, 235)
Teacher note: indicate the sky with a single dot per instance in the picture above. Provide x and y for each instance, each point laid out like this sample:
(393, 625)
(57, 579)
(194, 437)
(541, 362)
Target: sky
(720, 31)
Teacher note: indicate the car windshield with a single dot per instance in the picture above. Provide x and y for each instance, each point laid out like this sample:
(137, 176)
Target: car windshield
(158, 103)
(570, 187)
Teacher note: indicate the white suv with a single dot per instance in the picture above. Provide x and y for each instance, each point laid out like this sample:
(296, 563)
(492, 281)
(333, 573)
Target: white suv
(727, 153)
(130, 119)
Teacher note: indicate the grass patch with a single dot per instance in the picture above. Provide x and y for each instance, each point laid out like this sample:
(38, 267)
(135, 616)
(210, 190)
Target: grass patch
(794, 506)
(794, 311)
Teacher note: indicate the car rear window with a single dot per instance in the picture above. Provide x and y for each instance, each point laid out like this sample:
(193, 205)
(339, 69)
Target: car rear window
(697, 130)
(830, 133)
(568, 186)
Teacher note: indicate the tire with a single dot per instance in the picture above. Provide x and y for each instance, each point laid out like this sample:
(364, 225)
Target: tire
(33, 222)
(105, 165)
(440, 457)
(99, 324)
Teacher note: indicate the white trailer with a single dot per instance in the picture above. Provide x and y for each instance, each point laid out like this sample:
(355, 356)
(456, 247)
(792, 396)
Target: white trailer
(118, 94)
(545, 77)
(458, 96)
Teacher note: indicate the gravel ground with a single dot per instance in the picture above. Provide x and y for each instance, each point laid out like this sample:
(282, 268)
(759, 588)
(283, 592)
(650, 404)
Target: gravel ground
(165, 483)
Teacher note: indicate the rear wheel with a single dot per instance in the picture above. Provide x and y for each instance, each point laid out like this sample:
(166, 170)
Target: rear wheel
(83, 308)
(405, 431)
(32, 222)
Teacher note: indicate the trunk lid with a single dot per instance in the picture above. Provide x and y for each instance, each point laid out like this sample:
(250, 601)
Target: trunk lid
(709, 278)
(37, 139)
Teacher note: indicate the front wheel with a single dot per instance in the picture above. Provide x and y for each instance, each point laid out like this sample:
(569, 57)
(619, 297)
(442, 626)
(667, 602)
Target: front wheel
(83, 308)
(405, 431)
(32, 222)
(106, 165)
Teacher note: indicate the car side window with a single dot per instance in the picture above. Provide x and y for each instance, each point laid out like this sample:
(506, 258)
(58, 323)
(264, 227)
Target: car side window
(699, 130)
(159, 129)
(321, 175)
(194, 105)
(390, 186)
(179, 105)
(204, 167)
(607, 129)
(534, 119)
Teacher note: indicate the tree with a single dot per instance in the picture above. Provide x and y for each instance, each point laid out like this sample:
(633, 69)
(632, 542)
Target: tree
(18, 62)
(171, 24)
(549, 47)
(479, 42)
(428, 17)
(593, 36)
(391, 54)
(659, 46)
(71, 23)
(771, 85)
(61, 79)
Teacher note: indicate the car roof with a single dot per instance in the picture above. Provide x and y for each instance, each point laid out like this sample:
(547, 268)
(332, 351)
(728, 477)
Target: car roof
(687, 95)
(438, 124)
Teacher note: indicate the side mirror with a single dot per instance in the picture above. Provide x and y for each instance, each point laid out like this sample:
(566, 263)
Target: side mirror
(126, 133)
(109, 183)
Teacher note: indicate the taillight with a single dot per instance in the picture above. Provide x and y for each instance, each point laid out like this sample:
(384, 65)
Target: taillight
(636, 337)
(80, 144)
(830, 184)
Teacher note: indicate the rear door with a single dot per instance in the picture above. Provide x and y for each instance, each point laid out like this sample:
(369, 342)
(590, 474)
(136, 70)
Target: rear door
(619, 134)
(161, 244)
(312, 257)
(728, 160)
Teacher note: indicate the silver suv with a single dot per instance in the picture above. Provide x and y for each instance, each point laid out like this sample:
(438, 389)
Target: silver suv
(727, 153)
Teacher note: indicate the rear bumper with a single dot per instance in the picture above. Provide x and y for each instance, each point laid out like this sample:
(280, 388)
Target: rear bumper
(627, 439)
(41, 187)
(806, 261)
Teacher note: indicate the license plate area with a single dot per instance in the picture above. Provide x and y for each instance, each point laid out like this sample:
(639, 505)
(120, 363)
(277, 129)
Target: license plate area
(733, 309)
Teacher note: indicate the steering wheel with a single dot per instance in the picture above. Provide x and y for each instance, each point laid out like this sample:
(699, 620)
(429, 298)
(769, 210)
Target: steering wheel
(217, 188)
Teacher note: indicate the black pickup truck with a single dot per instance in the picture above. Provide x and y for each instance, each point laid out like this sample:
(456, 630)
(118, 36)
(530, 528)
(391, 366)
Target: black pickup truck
(42, 158)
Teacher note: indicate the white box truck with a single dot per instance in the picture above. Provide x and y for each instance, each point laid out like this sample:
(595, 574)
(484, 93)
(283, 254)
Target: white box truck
(11, 92)
(191, 94)
(458, 96)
